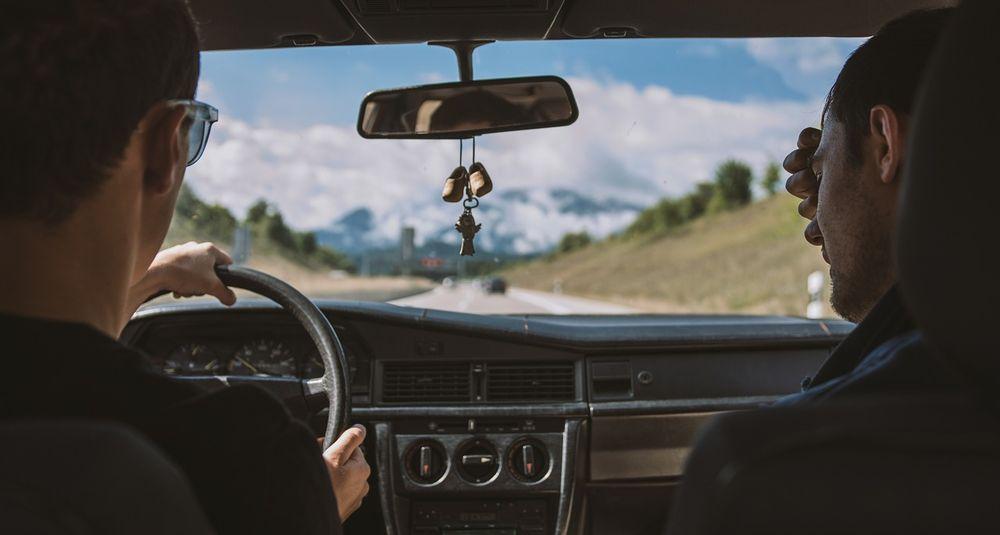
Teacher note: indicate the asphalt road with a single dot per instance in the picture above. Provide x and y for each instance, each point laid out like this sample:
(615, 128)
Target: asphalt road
(469, 297)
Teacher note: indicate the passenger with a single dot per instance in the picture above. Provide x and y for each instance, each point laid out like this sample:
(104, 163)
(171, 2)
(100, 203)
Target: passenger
(97, 118)
(849, 180)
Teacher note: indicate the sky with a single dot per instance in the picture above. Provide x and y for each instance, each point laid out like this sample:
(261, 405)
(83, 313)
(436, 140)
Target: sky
(656, 117)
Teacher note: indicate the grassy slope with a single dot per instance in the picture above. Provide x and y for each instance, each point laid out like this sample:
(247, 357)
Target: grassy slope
(310, 280)
(751, 260)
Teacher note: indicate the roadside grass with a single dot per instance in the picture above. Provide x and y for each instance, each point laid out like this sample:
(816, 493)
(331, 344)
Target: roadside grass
(308, 277)
(750, 260)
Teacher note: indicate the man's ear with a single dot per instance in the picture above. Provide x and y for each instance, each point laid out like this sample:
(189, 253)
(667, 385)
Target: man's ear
(165, 148)
(886, 132)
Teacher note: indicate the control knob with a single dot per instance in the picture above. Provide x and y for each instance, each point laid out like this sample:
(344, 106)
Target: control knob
(426, 462)
(528, 460)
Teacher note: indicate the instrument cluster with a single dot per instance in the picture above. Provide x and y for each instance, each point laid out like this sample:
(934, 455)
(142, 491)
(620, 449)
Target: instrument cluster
(257, 357)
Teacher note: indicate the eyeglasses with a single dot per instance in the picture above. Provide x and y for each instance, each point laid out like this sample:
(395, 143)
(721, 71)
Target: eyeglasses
(202, 117)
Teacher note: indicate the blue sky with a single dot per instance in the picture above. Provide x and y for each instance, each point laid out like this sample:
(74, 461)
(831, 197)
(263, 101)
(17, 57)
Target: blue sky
(656, 117)
(298, 86)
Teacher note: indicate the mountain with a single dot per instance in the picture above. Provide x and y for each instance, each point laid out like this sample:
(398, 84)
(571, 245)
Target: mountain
(353, 233)
(515, 222)
(752, 259)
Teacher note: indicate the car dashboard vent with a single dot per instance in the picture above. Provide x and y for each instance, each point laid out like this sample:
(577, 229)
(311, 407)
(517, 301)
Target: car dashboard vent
(478, 382)
(423, 382)
(530, 381)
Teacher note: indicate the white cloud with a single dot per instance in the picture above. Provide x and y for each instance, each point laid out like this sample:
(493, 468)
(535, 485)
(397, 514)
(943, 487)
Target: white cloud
(432, 77)
(630, 143)
(206, 90)
(701, 49)
(806, 64)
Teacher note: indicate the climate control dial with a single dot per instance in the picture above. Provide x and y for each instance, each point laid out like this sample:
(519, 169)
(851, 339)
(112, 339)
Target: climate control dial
(426, 462)
(528, 460)
(478, 461)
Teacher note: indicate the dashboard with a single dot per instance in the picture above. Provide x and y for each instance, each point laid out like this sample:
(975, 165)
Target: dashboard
(513, 425)
(272, 346)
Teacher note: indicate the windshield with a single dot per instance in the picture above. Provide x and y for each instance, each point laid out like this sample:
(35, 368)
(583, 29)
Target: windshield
(665, 196)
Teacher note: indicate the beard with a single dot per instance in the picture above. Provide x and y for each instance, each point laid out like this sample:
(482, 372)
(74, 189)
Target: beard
(858, 286)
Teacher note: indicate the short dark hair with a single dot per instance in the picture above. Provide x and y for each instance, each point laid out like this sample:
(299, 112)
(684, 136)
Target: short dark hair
(886, 70)
(77, 77)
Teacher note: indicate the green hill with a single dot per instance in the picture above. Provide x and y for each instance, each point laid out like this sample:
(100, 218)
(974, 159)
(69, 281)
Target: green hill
(290, 255)
(752, 259)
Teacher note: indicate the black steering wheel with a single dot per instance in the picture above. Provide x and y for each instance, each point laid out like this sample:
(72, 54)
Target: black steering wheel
(334, 381)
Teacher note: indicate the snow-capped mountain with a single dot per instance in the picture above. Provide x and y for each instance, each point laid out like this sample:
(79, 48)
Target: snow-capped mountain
(515, 222)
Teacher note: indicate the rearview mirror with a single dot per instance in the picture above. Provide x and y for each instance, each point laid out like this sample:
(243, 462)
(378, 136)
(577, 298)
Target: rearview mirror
(464, 109)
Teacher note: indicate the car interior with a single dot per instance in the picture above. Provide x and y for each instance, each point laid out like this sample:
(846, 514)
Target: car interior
(584, 424)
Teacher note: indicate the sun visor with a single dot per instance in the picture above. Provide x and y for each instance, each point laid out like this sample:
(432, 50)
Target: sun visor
(734, 18)
(248, 24)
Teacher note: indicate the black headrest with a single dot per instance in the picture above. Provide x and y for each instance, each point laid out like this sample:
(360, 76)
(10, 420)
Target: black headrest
(948, 227)
(864, 465)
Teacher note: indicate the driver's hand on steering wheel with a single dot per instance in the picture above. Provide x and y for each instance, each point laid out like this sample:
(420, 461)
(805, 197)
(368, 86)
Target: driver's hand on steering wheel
(348, 469)
(186, 270)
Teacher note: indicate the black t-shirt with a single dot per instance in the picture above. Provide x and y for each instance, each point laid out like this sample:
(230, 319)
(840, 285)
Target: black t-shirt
(254, 468)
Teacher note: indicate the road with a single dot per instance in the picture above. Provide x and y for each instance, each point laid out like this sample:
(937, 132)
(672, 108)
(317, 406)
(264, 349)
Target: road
(469, 297)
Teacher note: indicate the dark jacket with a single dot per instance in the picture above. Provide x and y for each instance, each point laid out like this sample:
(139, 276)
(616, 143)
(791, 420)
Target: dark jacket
(884, 353)
(253, 467)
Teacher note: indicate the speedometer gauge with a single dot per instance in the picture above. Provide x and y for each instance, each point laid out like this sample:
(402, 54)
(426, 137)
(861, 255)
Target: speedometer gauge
(263, 357)
(191, 359)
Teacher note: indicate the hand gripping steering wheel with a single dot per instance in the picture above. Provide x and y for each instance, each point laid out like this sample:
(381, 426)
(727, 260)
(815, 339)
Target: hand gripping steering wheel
(334, 381)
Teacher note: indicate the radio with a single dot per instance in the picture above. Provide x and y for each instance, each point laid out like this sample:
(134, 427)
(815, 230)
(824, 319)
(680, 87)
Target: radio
(492, 517)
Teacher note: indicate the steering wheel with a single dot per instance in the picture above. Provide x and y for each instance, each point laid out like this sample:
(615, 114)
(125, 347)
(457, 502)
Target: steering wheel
(334, 381)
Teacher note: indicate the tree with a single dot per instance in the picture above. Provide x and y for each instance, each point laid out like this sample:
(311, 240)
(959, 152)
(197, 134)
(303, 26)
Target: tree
(333, 259)
(695, 204)
(187, 202)
(732, 185)
(258, 211)
(573, 241)
(772, 176)
(278, 232)
(307, 243)
(214, 221)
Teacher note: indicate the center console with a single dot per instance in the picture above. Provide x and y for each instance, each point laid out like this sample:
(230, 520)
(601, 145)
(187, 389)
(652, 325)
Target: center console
(464, 475)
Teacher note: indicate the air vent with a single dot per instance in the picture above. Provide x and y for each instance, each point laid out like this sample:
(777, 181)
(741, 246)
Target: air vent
(408, 382)
(545, 381)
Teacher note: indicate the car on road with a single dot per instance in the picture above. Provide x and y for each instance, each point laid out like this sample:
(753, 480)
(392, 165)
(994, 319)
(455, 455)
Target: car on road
(494, 285)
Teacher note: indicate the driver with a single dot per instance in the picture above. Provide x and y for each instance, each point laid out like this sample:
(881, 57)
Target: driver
(848, 177)
(98, 127)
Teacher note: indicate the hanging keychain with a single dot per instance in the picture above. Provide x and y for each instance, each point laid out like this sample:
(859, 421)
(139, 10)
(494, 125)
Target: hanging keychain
(466, 225)
(456, 184)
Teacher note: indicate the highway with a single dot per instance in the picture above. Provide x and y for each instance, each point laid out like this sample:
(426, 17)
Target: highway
(470, 297)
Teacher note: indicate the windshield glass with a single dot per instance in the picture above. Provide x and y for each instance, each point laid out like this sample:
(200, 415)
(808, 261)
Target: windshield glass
(666, 195)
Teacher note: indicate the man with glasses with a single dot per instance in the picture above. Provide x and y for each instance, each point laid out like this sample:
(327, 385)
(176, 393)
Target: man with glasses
(97, 128)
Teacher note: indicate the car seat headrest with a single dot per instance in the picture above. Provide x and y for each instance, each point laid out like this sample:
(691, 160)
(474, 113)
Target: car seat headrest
(946, 243)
